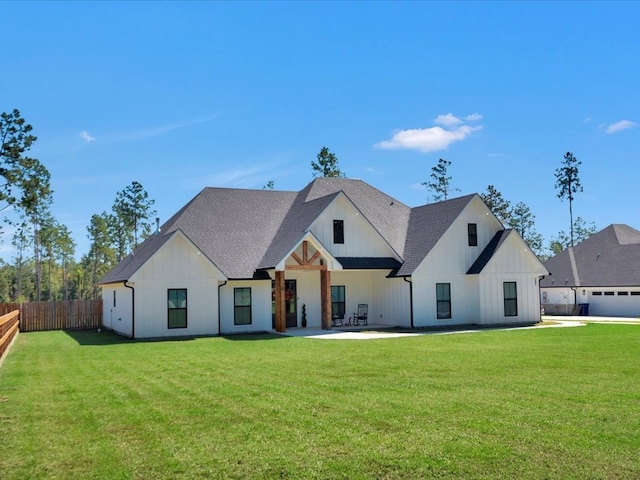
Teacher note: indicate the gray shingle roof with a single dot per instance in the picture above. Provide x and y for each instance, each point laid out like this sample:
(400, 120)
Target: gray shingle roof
(610, 257)
(427, 224)
(242, 231)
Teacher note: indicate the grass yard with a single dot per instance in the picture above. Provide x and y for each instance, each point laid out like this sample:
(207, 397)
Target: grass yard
(542, 403)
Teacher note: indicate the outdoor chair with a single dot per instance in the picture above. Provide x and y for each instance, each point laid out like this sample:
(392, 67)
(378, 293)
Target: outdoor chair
(362, 315)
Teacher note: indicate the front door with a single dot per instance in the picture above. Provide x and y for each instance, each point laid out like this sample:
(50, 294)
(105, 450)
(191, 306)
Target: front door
(290, 304)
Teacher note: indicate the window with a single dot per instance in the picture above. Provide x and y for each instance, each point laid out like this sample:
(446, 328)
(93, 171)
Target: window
(623, 293)
(635, 293)
(597, 293)
(510, 299)
(242, 306)
(443, 298)
(472, 233)
(114, 298)
(608, 294)
(337, 302)
(338, 231)
(177, 307)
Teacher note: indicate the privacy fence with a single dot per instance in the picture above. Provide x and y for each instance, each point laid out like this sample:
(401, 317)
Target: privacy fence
(8, 330)
(62, 315)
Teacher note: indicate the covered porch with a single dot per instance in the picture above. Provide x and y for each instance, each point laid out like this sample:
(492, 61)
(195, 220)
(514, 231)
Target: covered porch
(326, 291)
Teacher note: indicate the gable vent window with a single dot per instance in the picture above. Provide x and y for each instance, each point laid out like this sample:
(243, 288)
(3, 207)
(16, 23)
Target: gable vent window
(472, 234)
(338, 231)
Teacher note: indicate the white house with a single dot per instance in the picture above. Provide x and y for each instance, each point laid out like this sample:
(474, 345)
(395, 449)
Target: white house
(600, 276)
(235, 260)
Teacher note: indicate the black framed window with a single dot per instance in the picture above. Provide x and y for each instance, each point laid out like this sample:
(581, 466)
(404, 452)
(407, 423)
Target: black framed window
(510, 299)
(338, 231)
(242, 306)
(338, 308)
(114, 298)
(443, 299)
(472, 234)
(177, 307)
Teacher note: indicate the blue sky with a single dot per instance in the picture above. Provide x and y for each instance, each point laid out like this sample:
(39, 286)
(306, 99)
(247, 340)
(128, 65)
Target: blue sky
(180, 96)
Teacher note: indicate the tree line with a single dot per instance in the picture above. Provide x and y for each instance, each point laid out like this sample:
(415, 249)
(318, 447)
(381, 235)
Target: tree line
(44, 266)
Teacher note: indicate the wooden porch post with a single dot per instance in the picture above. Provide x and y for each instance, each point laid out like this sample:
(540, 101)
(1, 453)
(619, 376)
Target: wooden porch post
(281, 324)
(325, 298)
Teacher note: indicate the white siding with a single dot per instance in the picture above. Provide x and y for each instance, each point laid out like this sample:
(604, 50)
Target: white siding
(464, 299)
(391, 301)
(117, 317)
(260, 306)
(492, 298)
(513, 262)
(477, 298)
(448, 262)
(360, 238)
(176, 265)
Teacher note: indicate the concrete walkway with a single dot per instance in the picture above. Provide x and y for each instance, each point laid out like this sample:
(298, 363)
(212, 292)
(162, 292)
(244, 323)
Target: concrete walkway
(372, 332)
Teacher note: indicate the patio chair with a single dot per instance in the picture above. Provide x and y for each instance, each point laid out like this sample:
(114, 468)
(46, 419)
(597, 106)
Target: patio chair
(362, 315)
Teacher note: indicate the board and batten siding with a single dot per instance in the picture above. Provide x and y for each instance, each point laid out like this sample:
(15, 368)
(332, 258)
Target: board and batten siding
(116, 315)
(360, 238)
(260, 306)
(177, 265)
(391, 301)
(387, 299)
(513, 262)
(448, 262)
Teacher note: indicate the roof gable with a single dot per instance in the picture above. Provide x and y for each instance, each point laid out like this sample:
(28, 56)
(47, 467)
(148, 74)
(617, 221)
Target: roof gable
(389, 216)
(427, 225)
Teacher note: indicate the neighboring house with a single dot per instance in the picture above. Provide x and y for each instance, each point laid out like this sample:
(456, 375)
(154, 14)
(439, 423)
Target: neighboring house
(235, 260)
(601, 274)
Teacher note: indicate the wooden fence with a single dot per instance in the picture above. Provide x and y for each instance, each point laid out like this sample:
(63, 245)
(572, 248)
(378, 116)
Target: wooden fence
(8, 330)
(62, 315)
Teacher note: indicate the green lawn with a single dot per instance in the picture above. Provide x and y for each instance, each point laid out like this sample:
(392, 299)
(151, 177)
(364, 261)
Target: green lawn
(544, 403)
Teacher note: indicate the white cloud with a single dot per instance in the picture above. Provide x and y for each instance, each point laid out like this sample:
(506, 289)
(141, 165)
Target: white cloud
(621, 125)
(587, 120)
(433, 138)
(86, 137)
(448, 120)
(426, 139)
